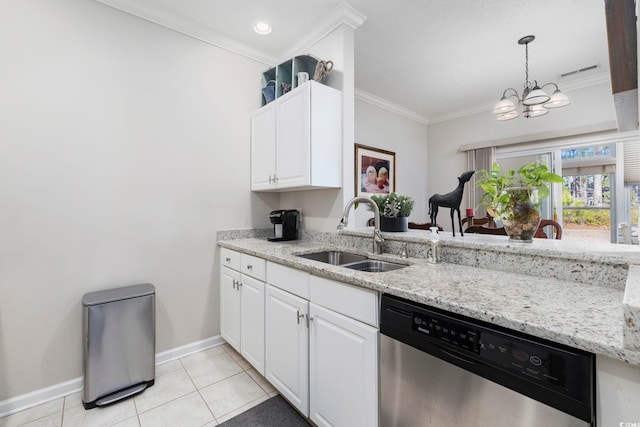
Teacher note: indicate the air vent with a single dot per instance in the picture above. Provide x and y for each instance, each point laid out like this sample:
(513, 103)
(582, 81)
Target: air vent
(581, 70)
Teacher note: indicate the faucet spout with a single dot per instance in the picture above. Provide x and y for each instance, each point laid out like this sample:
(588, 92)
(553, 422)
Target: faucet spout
(378, 241)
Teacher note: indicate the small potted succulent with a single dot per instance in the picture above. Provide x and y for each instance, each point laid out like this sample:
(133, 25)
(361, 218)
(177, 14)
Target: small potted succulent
(515, 196)
(394, 210)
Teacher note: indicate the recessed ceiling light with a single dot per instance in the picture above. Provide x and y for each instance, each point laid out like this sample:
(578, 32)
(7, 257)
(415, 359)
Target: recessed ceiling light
(262, 28)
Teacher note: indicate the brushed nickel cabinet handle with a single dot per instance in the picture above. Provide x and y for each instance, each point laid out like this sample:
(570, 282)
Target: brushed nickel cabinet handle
(300, 316)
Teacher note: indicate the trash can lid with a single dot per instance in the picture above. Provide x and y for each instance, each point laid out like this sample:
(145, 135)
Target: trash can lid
(117, 294)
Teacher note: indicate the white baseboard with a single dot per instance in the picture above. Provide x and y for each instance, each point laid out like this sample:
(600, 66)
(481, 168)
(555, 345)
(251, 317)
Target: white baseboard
(56, 391)
(187, 349)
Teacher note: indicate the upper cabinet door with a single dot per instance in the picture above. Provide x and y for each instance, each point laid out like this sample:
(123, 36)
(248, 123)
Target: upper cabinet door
(263, 148)
(296, 140)
(293, 141)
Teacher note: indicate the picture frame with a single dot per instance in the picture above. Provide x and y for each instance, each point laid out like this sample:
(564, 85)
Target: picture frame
(375, 171)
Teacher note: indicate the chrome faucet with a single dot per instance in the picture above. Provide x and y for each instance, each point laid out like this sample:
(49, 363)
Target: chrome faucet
(378, 241)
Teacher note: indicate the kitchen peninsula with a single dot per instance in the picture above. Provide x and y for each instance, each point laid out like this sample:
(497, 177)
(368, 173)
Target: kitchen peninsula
(562, 291)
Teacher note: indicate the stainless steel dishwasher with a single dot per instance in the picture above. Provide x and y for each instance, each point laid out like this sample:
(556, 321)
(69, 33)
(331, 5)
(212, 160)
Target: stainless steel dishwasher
(441, 369)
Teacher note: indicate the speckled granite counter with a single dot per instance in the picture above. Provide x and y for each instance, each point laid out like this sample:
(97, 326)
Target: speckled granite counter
(581, 307)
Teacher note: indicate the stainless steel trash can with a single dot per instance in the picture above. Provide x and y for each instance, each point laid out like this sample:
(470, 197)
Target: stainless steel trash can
(119, 328)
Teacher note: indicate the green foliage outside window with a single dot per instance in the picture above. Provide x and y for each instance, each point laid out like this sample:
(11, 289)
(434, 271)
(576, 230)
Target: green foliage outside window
(600, 217)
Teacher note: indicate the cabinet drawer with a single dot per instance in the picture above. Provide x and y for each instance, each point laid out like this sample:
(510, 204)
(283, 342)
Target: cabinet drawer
(288, 279)
(357, 303)
(253, 266)
(230, 258)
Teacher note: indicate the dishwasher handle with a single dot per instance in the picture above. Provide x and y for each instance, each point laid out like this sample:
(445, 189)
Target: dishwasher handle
(459, 356)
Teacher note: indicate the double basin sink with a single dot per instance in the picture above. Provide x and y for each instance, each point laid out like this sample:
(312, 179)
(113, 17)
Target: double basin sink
(353, 261)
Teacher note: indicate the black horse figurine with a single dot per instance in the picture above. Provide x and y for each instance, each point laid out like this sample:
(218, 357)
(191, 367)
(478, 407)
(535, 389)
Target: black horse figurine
(450, 200)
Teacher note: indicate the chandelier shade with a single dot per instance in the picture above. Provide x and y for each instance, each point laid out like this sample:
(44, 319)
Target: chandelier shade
(535, 101)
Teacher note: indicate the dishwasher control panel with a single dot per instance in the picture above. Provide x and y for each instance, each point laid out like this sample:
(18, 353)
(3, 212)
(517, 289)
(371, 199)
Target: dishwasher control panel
(506, 352)
(449, 332)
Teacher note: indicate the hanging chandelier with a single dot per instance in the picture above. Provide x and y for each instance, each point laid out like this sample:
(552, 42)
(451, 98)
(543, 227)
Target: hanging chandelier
(534, 100)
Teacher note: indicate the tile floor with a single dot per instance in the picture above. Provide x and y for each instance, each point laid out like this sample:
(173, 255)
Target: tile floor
(202, 389)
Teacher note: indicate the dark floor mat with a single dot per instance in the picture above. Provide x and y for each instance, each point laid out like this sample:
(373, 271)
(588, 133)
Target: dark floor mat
(274, 412)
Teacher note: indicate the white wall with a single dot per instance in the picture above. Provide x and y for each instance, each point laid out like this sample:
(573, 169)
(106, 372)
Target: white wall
(124, 146)
(589, 106)
(384, 129)
(322, 209)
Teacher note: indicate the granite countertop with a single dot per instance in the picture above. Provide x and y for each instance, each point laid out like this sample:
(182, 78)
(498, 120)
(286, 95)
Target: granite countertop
(581, 315)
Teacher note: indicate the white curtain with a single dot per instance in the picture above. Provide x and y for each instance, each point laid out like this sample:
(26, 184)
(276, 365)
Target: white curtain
(478, 159)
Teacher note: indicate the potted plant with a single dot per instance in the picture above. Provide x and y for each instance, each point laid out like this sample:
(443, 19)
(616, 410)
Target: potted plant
(515, 197)
(394, 210)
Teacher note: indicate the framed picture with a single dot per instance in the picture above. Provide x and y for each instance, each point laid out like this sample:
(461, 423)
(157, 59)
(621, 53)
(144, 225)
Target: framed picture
(375, 171)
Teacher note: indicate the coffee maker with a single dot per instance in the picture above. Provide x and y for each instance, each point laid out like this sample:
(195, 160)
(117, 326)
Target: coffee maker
(286, 223)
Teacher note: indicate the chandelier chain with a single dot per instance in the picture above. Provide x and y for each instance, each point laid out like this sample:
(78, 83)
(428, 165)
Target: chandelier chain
(526, 65)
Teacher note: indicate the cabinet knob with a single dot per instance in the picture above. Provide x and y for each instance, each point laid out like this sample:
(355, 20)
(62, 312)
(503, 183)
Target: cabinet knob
(249, 266)
(300, 316)
(227, 259)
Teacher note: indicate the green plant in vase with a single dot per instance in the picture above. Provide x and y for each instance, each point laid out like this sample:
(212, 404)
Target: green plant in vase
(394, 210)
(515, 196)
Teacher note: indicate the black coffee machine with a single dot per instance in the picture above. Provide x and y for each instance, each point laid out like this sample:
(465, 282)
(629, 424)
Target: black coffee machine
(286, 223)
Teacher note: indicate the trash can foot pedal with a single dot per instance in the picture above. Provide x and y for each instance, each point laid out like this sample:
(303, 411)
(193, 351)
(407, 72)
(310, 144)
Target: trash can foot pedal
(119, 395)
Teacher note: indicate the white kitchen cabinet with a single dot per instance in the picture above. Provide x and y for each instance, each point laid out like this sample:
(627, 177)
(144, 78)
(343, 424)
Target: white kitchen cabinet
(322, 346)
(343, 370)
(230, 306)
(287, 350)
(617, 391)
(263, 147)
(242, 293)
(296, 140)
(252, 293)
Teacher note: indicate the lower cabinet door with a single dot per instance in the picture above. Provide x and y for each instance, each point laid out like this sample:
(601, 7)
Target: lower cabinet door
(230, 307)
(252, 322)
(287, 349)
(343, 370)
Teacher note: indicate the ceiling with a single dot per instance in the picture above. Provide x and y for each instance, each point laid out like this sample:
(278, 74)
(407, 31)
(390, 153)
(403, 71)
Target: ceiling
(437, 58)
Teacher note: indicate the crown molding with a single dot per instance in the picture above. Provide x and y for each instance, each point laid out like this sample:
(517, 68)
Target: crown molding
(191, 29)
(343, 14)
(369, 98)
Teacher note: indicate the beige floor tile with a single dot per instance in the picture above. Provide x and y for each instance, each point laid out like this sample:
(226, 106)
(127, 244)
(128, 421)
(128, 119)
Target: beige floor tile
(231, 394)
(33, 414)
(189, 410)
(212, 370)
(166, 388)
(54, 420)
(237, 357)
(243, 408)
(202, 355)
(168, 367)
(77, 416)
(129, 422)
(262, 382)
(72, 400)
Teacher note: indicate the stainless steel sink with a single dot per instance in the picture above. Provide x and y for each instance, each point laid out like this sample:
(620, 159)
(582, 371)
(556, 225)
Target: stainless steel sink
(374, 266)
(334, 257)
